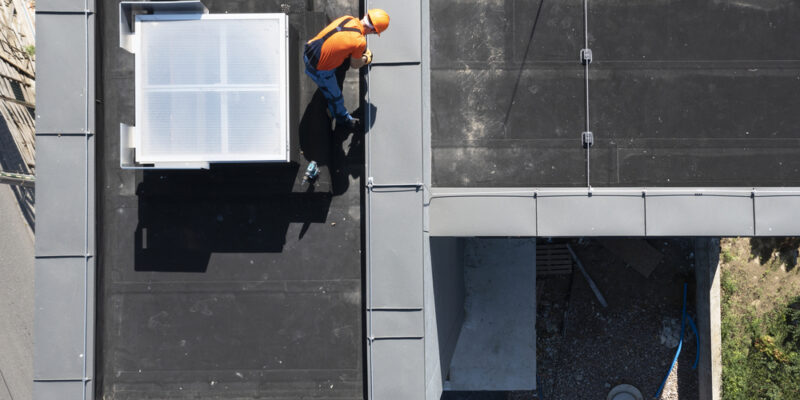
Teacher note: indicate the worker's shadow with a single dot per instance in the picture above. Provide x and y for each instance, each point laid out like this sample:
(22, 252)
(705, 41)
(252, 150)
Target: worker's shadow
(339, 149)
(185, 216)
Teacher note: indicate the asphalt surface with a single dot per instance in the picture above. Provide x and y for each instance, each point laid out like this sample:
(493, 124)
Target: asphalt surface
(16, 300)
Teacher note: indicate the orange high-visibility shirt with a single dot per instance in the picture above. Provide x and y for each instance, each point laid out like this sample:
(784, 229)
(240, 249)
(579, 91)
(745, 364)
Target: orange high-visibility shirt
(341, 45)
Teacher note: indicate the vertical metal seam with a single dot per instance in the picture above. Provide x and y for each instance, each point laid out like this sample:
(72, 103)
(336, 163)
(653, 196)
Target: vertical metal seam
(86, 203)
(422, 175)
(753, 198)
(368, 197)
(644, 209)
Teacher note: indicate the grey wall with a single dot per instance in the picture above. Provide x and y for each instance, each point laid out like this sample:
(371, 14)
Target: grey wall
(447, 268)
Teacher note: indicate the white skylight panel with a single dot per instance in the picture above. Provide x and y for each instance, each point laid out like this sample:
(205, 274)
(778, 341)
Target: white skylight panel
(211, 88)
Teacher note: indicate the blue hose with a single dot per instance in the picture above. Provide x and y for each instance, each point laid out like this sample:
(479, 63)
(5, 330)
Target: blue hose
(697, 342)
(684, 317)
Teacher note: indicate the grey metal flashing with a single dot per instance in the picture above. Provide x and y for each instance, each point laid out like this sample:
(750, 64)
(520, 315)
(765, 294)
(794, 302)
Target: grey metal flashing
(63, 6)
(777, 212)
(61, 194)
(606, 212)
(59, 356)
(61, 77)
(719, 213)
(398, 369)
(129, 9)
(65, 268)
(57, 390)
(403, 83)
(398, 324)
(480, 212)
(394, 209)
(396, 246)
(401, 42)
(614, 211)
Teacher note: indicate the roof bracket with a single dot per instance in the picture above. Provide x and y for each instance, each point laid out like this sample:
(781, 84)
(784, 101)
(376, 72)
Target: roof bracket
(372, 185)
(588, 139)
(586, 56)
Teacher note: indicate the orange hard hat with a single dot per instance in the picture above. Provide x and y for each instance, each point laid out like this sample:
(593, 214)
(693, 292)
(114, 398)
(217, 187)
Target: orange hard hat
(379, 19)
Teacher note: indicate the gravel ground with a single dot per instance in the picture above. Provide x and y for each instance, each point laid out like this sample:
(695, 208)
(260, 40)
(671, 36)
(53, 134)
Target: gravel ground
(593, 349)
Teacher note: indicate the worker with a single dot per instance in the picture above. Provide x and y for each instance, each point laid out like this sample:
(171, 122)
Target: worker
(343, 39)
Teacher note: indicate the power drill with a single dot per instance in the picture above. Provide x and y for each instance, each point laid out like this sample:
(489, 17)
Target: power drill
(312, 172)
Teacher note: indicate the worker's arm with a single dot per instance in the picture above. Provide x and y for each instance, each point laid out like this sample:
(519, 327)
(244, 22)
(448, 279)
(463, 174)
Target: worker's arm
(365, 59)
(357, 62)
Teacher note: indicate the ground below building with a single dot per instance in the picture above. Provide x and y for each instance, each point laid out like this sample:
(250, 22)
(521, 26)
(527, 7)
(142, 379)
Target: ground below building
(585, 349)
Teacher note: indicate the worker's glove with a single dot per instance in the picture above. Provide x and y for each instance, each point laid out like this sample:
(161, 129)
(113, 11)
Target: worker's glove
(367, 57)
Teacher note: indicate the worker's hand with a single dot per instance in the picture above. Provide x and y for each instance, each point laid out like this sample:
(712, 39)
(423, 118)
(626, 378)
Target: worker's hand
(367, 57)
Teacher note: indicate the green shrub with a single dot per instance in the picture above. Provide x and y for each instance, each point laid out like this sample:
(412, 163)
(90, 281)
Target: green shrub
(761, 356)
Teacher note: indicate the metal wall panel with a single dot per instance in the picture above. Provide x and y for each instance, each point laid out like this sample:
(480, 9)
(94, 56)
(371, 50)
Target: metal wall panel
(63, 6)
(61, 194)
(602, 214)
(699, 215)
(61, 87)
(400, 43)
(395, 142)
(777, 215)
(397, 323)
(59, 322)
(472, 215)
(396, 248)
(398, 367)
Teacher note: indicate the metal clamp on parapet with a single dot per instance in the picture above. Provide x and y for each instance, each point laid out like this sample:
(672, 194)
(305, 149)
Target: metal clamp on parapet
(372, 185)
(588, 139)
(586, 56)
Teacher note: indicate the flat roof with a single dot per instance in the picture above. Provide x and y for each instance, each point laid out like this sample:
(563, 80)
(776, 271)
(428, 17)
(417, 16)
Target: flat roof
(681, 94)
(236, 281)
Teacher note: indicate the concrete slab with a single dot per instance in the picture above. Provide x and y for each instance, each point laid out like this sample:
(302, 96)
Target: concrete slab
(497, 346)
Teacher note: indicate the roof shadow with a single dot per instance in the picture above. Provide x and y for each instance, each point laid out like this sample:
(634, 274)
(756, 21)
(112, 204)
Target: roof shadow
(184, 216)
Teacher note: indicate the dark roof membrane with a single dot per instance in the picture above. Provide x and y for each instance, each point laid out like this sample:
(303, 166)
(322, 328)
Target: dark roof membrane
(681, 93)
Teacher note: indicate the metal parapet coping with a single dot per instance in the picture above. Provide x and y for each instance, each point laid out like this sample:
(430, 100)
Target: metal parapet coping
(58, 307)
(654, 211)
(395, 238)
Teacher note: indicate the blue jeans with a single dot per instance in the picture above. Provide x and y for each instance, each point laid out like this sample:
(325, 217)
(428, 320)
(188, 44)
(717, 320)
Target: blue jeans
(326, 80)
